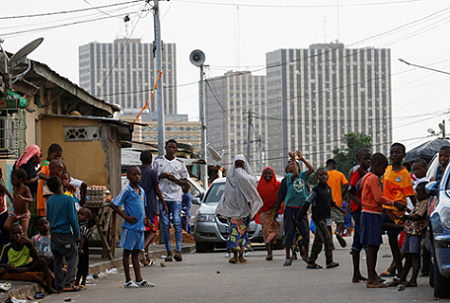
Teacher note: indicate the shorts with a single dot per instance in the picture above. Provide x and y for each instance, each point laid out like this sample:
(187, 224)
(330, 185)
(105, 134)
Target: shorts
(356, 245)
(411, 244)
(385, 219)
(132, 240)
(290, 214)
(337, 215)
(371, 229)
(151, 224)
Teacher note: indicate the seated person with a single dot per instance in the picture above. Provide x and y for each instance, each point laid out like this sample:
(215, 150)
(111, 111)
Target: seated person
(42, 240)
(20, 260)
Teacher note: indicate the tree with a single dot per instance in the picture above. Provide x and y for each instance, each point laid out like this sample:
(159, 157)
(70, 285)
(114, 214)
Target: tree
(346, 159)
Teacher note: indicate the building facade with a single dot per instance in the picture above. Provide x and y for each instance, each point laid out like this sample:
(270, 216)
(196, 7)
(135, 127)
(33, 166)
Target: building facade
(124, 73)
(230, 100)
(318, 94)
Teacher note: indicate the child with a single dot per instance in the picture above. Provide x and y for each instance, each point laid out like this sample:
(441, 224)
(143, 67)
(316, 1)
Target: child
(54, 153)
(42, 240)
(55, 169)
(84, 215)
(4, 237)
(64, 230)
(69, 189)
(21, 198)
(132, 240)
(295, 197)
(149, 182)
(186, 207)
(363, 158)
(397, 186)
(372, 206)
(322, 201)
(444, 156)
(21, 256)
(415, 229)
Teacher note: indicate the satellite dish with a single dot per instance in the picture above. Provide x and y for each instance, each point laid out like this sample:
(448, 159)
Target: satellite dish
(25, 51)
(214, 153)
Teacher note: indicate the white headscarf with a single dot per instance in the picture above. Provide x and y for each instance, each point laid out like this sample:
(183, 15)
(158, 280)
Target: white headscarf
(240, 197)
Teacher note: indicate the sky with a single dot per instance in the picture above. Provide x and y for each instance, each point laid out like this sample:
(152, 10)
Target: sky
(236, 35)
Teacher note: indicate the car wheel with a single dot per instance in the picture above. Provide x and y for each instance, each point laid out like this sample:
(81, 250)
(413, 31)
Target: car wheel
(441, 283)
(203, 247)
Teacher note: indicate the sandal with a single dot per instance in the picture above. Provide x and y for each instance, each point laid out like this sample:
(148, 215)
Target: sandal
(333, 264)
(169, 258)
(269, 258)
(314, 266)
(387, 273)
(144, 283)
(341, 240)
(287, 262)
(71, 288)
(233, 261)
(178, 257)
(130, 284)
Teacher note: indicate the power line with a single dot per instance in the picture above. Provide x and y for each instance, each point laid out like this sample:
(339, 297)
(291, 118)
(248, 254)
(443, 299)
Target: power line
(67, 12)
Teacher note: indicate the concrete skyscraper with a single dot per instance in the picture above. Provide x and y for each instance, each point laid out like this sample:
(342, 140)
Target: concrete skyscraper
(124, 73)
(232, 98)
(318, 94)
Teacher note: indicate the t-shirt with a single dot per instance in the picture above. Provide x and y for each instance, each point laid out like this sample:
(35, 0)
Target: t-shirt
(133, 205)
(62, 215)
(85, 232)
(42, 244)
(397, 186)
(170, 190)
(356, 176)
(16, 257)
(371, 195)
(336, 180)
(297, 191)
(148, 182)
(418, 228)
(3, 208)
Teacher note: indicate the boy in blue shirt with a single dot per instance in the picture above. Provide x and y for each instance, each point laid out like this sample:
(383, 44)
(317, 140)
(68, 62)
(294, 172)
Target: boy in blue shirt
(295, 198)
(64, 230)
(134, 201)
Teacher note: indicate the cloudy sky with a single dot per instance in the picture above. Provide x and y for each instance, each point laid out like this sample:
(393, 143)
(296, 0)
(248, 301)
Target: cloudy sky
(236, 34)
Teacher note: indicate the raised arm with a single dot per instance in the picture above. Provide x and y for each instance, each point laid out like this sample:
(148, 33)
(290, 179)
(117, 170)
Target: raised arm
(295, 172)
(308, 165)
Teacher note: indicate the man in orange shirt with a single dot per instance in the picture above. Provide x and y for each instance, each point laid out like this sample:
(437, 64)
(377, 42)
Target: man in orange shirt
(339, 185)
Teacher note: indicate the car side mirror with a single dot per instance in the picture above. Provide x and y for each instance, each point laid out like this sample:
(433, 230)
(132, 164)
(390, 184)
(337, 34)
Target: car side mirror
(196, 201)
(432, 188)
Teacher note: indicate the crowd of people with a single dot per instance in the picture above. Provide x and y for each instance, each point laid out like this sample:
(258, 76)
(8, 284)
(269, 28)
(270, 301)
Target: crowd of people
(45, 236)
(381, 199)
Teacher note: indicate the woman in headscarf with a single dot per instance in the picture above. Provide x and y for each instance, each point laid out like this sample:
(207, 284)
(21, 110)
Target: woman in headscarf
(239, 203)
(268, 188)
(29, 161)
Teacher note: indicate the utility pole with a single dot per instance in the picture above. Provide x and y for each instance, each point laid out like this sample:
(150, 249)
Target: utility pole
(248, 133)
(159, 91)
(442, 127)
(203, 130)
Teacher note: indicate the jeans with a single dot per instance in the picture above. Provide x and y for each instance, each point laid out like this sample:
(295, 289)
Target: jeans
(174, 208)
(64, 247)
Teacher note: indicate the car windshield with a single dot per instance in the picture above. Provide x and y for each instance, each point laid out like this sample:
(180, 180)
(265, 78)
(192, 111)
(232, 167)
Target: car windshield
(214, 193)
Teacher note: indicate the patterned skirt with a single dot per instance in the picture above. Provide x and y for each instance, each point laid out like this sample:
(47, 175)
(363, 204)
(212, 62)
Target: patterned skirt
(238, 239)
(269, 225)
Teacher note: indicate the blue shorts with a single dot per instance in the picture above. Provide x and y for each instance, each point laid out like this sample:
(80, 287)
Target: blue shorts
(132, 240)
(370, 229)
(411, 244)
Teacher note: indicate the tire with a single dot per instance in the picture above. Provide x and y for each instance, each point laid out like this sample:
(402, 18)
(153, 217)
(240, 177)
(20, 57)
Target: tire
(441, 283)
(201, 247)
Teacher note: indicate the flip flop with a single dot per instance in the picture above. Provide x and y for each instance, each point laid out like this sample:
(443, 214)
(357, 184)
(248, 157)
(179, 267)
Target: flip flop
(387, 273)
(408, 284)
(233, 261)
(341, 240)
(315, 266)
(71, 288)
(130, 284)
(287, 262)
(269, 258)
(376, 285)
(333, 264)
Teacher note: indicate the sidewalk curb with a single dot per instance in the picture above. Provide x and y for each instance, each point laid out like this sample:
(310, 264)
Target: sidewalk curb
(117, 262)
(21, 289)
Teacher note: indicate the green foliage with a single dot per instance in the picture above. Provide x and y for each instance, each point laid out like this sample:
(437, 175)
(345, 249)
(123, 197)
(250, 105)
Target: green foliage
(346, 159)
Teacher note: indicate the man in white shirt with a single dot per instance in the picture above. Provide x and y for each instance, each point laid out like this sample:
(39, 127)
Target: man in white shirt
(172, 174)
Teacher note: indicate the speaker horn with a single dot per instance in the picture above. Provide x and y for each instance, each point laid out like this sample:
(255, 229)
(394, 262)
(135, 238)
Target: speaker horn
(197, 57)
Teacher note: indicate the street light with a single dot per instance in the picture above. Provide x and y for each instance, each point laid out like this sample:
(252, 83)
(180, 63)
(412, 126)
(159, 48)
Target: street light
(424, 67)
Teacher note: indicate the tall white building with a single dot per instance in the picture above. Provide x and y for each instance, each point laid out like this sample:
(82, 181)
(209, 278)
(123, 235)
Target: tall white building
(228, 103)
(318, 94)
(124, 73)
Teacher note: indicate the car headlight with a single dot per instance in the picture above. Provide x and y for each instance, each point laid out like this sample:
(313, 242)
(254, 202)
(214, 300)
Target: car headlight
(206, 218)
(445, 217)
